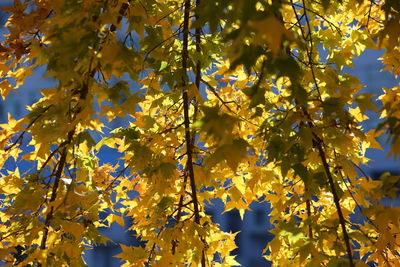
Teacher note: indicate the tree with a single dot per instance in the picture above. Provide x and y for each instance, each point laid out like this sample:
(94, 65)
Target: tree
(238, 100)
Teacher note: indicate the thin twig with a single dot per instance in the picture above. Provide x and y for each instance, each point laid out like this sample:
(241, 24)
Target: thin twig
(20, 137)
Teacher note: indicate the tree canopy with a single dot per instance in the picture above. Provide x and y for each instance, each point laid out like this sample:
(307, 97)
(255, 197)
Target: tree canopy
(241, 100)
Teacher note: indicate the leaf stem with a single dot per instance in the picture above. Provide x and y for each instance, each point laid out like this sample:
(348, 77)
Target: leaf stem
(308, 205)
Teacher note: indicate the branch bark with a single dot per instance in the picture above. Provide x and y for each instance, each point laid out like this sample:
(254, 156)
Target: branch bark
(318, 144)
(53, 196)
(188, 138)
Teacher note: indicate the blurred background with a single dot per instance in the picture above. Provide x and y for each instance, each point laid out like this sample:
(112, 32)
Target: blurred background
(254, 235)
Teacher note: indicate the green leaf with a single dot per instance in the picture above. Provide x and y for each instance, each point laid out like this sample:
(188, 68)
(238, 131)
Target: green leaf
(257, 113)
(163, 65)
(217, 125)
(129, 133)
(118, 92)
(85, 136)
(325, 4)
(338, 263)
(164, 203)
(334, 106)
(276, 147)
(320, 179)
(256, 94)
(302, 172)
(232, 153)
(167, 170)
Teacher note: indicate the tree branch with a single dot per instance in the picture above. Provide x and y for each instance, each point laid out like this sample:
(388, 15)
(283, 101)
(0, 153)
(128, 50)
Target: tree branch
(318, 144)
(188, 138)
(53, 197)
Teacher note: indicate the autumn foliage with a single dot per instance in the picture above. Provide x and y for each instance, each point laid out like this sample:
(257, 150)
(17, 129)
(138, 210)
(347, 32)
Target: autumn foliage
(238, 100)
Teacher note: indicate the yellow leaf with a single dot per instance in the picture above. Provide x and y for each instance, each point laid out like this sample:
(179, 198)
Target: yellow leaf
(134, 255)
(372, 141)
(76, 229)
(201, 174)
(118, 219)
(193, 92)
(5, 88)
(231, 261)
(274, 245)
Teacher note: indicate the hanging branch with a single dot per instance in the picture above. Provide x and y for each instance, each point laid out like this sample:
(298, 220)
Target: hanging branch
(83, 92)
(318, 144)
(189, 148)
(188, 139)
(53, 196)
(197, 83)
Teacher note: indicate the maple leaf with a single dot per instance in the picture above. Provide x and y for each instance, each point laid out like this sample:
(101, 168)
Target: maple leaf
(19, 49)
(272, 31)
